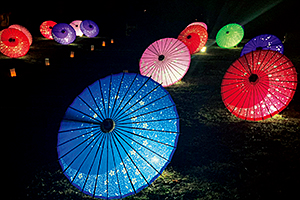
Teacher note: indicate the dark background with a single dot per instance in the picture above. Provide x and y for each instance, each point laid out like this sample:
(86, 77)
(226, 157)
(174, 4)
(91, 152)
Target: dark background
(161, 18)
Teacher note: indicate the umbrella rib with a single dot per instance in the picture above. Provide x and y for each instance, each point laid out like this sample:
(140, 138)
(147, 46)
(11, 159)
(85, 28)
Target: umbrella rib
(122, 159)
(119, 110)
(79, 153)
(263, 99)
(291, 67)
(98, 170)
(243, 102)
(149, 112)
(85, 114)
(267, 62)
(103, 103)
(113, 109)
(140, 154)
(146, 105)
(247, 62)
(155, 120)
(163, 131)
(75, 129)
(96, 104)
(132, 133)
(265, 86)
(107, 140)
(102, 139)
(81, 121)
(78, 145)
(109, 90)
(75, 138)
(270, 63)
(113, 156)
(132, 96)
(140, 99)
(131, 158)
(84, 158)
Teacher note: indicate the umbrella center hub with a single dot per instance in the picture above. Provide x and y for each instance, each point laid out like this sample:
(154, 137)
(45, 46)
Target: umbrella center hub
(161, 57)
(63, 31)
(90, 26)
(189, 37)
(11, 40)
(227, 32)
(253, 78)
(108, 125)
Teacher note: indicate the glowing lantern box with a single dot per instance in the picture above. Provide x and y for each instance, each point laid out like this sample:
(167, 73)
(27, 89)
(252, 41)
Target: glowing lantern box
(230, 35)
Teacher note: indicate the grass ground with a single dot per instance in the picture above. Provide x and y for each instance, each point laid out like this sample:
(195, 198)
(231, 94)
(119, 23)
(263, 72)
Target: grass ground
(218, 156)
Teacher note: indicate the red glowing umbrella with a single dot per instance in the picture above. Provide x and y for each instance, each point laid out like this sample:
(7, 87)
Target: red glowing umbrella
(166, 61)
(24, 30)
(198, 23)
(259, 85)
(194, 37)
(13, 43)
(46, 29)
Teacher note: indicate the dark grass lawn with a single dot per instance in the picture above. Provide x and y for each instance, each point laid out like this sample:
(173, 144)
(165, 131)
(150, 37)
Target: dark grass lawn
(218, 156)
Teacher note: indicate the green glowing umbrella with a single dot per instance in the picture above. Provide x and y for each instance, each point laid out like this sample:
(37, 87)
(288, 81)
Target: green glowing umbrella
(230, 35)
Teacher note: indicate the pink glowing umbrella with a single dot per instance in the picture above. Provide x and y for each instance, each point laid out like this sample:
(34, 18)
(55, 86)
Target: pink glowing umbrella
(46, 29)
(13, 43)
(24, 30)
(76, 25)
(166, 61)
(198, 23)
(259, 85)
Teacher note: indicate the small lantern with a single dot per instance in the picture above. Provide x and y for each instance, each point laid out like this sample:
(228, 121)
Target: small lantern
(111, 41)
(72, 54)
(103, 43)
(125, 71)
(47, 62)
(92, 47)
(203, 49)
(13, 72)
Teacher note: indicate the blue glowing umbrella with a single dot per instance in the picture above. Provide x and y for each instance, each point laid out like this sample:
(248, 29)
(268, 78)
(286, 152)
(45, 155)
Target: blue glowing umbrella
(63, 33)
(118, 136)
(263, 42)
(89, 28)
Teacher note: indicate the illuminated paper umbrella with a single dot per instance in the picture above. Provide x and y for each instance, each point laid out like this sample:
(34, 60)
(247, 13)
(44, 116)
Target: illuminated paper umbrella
(166, 61)
(194, 37)
(118, 136)
(230, 35)
(89, 28)
(264, 42)
(63, 33)
(76, 25)
(24, 30)
(46, 29)
(259, 85)
(198, 23)
(13, 43)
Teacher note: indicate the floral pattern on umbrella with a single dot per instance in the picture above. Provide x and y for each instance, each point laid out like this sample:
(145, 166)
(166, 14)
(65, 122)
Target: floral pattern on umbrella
(118, 136)
(259, 85)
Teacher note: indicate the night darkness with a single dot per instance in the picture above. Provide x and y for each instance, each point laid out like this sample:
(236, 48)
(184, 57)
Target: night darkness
(218, 156)
(164, 18)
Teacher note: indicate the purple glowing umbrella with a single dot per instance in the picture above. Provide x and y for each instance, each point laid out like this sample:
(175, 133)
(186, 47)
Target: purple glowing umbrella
(263, 42)
(89, 28)
(76, 25)
(63, 33)
(165, 61)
